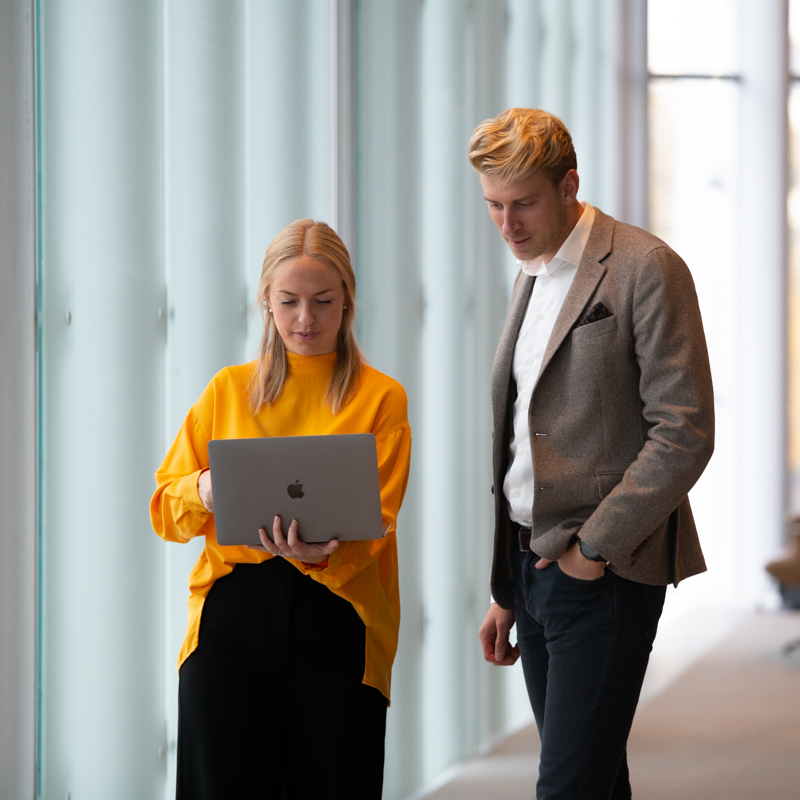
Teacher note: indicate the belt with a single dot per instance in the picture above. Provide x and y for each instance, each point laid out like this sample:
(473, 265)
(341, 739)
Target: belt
(523, 537)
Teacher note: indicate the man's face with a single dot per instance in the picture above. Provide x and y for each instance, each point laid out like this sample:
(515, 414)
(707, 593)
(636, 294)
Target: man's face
(531, 213)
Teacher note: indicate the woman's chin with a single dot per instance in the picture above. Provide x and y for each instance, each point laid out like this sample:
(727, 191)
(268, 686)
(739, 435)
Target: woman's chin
(308, 347)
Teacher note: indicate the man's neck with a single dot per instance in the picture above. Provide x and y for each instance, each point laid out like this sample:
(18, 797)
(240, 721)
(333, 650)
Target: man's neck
(574, 213)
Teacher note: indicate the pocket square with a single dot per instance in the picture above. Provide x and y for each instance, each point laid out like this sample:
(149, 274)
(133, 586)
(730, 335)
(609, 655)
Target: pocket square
(597, 313)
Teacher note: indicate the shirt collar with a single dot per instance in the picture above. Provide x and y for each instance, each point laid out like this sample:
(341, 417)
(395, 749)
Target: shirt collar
(570, 252)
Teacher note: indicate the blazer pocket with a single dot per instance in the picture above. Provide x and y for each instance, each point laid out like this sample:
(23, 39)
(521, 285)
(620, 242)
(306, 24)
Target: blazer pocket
(606, 481)
(594, 329)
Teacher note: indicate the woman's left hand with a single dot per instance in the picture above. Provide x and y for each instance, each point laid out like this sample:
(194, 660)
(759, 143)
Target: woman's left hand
(290, 546)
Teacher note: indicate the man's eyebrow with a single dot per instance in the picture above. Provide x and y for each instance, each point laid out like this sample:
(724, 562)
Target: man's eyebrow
(515, 200)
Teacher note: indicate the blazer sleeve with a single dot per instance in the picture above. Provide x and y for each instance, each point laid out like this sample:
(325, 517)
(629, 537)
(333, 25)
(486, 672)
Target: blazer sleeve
(677, 400)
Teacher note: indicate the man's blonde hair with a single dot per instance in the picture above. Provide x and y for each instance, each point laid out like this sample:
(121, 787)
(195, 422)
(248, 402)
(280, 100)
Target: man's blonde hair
(305, 237)
(521, 141)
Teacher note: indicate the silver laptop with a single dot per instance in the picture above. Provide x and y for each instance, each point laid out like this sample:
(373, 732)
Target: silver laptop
(329, 484)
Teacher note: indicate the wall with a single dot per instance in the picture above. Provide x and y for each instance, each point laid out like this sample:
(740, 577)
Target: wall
(177, 139)
(18, 419)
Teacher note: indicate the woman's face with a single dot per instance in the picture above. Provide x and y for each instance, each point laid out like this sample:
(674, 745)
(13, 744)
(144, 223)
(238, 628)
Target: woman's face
(307, 302)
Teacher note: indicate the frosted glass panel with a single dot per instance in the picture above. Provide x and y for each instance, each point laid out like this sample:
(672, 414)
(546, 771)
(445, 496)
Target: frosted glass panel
(178, 138)
(794, 295)
(161, 192)
(794, 37)
(693, 36)
(793, 309)
(693, 205)
(692, 165)
(102, 732)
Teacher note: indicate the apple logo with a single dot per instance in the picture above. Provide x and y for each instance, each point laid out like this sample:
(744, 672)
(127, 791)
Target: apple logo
(295, 489)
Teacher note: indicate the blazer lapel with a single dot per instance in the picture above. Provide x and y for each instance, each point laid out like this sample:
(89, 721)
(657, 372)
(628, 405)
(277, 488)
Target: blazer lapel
(590, 272)
(501, 370)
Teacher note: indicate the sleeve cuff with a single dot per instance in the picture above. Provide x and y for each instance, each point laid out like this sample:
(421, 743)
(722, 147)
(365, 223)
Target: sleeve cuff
(190, 494)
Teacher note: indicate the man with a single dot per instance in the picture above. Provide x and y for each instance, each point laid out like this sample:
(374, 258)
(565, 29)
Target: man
(603, 422)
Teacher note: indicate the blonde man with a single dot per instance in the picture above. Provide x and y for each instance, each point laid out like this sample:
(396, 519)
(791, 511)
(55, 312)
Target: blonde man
(603, 421)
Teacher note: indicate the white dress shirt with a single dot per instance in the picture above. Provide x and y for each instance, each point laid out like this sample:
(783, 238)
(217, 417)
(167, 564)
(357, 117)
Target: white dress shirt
(549, 292)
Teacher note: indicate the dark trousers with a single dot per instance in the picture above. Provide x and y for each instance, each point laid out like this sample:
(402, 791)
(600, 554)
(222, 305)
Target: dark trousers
(584, 647)
(271, 704)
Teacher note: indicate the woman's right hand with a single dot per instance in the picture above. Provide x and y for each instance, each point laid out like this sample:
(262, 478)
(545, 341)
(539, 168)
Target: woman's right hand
(290, 546)
(204, 490)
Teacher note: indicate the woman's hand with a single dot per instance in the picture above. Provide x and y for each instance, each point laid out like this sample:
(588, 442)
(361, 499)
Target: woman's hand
(290, 546)
(204, 490)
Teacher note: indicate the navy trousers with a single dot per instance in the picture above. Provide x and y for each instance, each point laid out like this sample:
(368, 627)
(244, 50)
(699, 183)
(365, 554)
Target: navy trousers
(584, 647)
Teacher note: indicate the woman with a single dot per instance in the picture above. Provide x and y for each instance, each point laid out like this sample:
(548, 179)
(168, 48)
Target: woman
(285, 670)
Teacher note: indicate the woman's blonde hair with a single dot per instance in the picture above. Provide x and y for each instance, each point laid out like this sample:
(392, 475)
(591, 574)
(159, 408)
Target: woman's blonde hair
(305, 237)
(521, 141)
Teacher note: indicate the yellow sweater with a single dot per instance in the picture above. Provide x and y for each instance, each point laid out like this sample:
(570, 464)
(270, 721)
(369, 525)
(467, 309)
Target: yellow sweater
(363, 573)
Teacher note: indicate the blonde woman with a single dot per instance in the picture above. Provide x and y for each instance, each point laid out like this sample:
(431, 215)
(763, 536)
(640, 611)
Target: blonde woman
(286, 666)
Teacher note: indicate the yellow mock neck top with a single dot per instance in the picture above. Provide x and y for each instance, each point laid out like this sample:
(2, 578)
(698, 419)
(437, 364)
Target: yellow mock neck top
(363, 573)
(311, 365)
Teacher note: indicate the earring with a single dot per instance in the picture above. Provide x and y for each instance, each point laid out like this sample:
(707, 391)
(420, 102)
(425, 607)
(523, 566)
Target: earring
(345, 308)
(269, 309)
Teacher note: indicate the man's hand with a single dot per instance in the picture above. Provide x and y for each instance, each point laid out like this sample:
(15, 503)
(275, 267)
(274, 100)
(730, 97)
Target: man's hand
(573, 563)
(494, 633)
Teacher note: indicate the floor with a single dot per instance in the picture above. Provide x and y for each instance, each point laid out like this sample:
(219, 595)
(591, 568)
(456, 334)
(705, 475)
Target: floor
(719, 718)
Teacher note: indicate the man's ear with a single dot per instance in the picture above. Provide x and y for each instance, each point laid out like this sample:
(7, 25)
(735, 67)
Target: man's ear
(570, 184)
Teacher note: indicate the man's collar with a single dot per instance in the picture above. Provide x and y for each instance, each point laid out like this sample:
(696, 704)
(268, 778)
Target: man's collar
(569, 253)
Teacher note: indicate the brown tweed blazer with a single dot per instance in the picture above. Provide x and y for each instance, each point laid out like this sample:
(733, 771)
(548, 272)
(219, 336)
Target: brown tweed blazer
(622, 416)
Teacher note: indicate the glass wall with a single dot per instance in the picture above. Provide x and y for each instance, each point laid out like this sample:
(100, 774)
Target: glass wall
(177, 139)
(694, 187)
(717, 161)
(435, 279)
(18, 401)
(793, 310)
(102, 400)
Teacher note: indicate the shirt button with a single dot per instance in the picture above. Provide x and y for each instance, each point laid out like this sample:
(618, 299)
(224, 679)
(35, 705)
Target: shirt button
(540, 317)
(517, 493)
(530, 360)
(520, 450)
(525, 407)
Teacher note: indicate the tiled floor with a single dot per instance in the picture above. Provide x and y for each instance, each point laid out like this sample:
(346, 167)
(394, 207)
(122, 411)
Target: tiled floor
(729, 727)
(509, 770)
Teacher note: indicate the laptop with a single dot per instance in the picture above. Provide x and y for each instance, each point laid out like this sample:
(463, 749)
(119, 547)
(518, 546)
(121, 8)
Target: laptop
(329, 484)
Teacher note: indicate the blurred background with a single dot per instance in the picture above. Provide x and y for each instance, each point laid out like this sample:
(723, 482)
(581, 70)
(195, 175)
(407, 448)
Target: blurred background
(149, 152)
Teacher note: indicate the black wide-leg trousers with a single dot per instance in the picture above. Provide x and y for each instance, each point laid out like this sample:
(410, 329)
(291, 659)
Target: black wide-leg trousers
(584, 647)
(271, 704)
